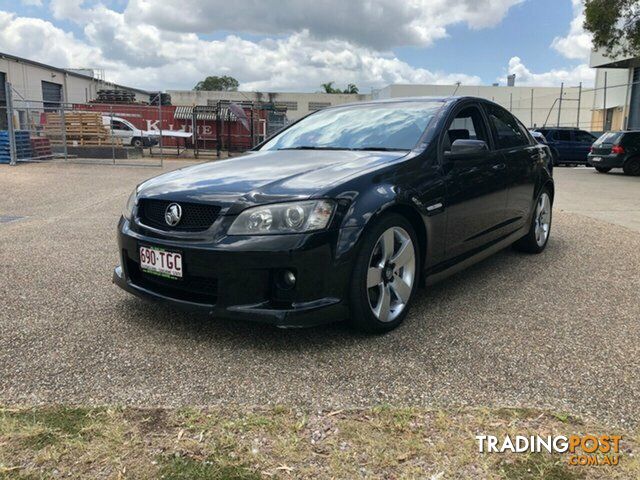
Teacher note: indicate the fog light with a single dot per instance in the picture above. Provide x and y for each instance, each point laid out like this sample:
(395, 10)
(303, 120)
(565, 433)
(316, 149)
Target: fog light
(288, 278)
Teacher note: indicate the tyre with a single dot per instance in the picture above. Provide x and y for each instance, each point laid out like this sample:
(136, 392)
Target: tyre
(632, 167)
(603, 169)
(537, 237)
(385, 276)
(137, 142)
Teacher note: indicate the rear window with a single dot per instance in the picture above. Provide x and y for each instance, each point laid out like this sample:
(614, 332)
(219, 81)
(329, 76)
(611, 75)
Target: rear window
(609, 137)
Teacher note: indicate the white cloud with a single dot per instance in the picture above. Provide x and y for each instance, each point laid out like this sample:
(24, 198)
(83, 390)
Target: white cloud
(381, 25)
(576, 45)
(553, 78)
(148, 57)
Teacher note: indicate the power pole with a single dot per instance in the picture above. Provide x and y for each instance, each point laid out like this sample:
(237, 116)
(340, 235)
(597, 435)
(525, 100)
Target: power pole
(604, 103)
(579, 100)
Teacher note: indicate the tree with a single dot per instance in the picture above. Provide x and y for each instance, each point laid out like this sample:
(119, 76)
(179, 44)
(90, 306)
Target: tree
(351, 88)
(215, 83)
(615, 25)
(329, 88)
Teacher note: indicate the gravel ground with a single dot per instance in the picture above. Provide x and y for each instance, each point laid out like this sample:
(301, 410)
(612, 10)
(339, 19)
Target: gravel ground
(557, 330)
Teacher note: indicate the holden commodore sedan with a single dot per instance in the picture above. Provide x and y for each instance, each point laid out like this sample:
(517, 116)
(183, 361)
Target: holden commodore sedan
(342, 215)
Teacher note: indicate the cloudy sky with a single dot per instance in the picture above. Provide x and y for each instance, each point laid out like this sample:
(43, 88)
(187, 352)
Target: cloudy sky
(295, 45)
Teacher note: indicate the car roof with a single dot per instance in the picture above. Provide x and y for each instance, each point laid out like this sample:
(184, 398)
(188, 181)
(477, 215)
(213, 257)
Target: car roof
(444, 99)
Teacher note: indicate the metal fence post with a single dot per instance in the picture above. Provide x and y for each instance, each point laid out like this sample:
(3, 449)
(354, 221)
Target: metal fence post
(560, 103)
(218, 128)
(194, 131)
(532, 124)
(63, 124)
(113, 142)
(160, 122)
(11, 133)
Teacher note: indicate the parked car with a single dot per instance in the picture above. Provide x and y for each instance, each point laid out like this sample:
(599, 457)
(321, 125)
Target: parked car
(568, 145)
(128, 133)
(340, 215)
(617, 150)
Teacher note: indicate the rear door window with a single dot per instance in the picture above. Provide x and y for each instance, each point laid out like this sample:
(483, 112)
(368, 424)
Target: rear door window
(584, 137)
(509, 133)
(562, 135)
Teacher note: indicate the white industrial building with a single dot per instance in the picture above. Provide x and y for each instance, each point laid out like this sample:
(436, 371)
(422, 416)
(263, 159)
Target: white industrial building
(534, 106)
(617, 92)
(36, 82)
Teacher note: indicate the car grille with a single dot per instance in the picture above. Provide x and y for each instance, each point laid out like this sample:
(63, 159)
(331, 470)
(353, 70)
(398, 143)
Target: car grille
(195, 216)
(202, 290)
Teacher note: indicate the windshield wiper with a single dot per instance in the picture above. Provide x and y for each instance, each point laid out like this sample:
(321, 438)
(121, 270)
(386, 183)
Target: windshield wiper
(311, 147)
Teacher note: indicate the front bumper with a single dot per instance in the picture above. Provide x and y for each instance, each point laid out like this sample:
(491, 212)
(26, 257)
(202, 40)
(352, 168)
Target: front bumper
(606, 161)
(238, 278)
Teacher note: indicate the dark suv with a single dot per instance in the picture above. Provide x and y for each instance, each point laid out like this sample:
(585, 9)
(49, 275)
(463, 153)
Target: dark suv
(568, 145)
(617, 150)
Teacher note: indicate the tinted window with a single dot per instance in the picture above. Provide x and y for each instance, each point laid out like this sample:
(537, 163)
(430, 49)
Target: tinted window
(467, 125)
(384, 125)
(585, 137)
(562, 135)
(509, 134)
(609, 137)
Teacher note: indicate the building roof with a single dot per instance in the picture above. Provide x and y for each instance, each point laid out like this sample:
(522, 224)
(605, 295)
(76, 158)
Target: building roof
(68, 72)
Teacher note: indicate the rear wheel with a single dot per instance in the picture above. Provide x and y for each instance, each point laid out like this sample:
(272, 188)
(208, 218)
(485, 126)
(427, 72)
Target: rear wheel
(632, 167)
(385, 275)
(537, 237)
(137, 142)
(603, 169)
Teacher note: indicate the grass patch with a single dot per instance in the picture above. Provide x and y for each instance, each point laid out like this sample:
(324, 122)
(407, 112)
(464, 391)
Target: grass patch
(185, 468)
(284, 442)
(541, 466)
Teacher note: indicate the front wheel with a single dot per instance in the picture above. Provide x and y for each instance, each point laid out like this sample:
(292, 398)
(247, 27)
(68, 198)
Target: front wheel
(603, 169)
(385, 275)
(537, 237)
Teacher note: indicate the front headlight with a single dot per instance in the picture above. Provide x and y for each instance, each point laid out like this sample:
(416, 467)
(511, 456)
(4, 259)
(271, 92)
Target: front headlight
(294, 217)
(131, 203)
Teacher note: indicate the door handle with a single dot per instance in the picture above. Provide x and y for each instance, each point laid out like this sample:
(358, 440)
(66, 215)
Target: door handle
(498, 166)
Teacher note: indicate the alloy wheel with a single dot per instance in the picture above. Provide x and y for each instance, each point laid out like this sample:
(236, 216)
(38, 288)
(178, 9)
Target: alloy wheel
(543, 219)
(391, 274)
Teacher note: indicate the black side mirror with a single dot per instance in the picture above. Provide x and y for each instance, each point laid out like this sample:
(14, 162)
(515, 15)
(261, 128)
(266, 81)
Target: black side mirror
(468, 147)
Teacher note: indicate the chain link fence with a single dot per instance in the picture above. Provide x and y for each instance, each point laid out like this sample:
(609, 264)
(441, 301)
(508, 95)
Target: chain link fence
(127, 133)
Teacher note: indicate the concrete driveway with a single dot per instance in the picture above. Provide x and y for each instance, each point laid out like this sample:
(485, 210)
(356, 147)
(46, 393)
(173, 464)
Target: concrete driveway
(556, 330)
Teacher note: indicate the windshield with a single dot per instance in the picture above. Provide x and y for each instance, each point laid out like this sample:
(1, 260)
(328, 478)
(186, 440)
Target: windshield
(384, 126)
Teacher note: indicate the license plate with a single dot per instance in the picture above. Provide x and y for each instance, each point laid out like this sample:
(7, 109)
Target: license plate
(596, 159)
(161, 262)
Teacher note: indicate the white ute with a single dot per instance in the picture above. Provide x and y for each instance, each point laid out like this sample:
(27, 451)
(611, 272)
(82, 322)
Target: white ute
(129, 134)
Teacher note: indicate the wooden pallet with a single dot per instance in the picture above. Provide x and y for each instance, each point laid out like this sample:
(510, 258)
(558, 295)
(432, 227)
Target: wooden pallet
(80, 129)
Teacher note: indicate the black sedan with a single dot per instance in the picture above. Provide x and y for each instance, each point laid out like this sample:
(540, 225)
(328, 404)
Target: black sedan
(341, 215)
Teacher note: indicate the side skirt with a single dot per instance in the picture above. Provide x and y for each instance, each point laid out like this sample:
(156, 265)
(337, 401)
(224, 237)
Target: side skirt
(434, 275)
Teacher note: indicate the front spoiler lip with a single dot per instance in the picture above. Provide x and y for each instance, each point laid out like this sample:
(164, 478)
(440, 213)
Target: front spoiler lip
(308, 314)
